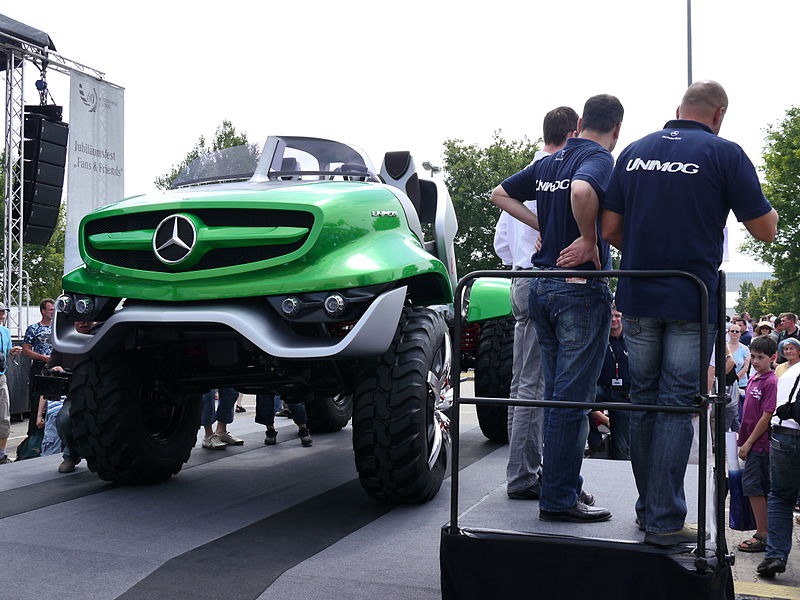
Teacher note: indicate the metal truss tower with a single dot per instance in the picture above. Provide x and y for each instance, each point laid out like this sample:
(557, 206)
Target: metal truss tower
(14, 277)
(15, 282)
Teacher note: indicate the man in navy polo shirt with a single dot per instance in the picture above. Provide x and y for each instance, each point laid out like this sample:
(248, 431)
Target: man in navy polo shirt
(571, 315)
(666, 208)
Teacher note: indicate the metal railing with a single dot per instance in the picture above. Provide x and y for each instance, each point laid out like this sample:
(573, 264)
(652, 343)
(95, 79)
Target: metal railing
(702, 401)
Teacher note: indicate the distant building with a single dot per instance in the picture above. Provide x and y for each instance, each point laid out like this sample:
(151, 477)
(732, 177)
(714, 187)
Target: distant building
(734, 281)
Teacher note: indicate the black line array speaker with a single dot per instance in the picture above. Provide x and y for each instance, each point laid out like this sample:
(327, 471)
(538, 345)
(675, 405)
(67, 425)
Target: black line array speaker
(45, 151)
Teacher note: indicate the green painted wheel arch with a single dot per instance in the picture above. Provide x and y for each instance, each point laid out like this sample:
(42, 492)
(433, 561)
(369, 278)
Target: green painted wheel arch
(489, 298)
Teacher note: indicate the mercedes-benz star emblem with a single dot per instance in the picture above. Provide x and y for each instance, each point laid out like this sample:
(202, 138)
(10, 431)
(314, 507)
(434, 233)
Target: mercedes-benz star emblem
(174, 239)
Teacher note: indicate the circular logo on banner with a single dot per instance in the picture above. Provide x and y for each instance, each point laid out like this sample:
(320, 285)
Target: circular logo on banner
(174, 239)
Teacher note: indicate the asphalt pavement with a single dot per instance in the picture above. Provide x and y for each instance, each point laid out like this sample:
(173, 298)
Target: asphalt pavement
(272, 522)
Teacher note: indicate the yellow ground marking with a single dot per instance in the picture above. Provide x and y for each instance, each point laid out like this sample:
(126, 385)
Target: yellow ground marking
(766, 590)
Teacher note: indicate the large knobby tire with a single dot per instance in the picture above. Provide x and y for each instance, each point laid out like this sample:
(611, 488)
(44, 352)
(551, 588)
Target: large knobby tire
(394, 426)
(127, 432)
(493, 369)
(328, 414)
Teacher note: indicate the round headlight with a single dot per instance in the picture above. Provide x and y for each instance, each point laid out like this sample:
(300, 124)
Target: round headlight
(334, 305)
(64, 304)
(84, 306)
(290, 306)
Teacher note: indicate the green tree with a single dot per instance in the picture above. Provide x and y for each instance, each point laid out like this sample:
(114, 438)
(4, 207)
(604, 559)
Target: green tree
(225, 136)
(782, 188)
(769, 297)
(471, 173)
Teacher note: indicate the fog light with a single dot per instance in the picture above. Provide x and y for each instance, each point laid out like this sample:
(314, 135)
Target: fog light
(290, 306)
(334, 305)
(84, 306)
(64, 304)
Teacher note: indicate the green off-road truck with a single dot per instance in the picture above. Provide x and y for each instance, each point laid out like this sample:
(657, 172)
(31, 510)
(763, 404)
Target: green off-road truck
(293, 268)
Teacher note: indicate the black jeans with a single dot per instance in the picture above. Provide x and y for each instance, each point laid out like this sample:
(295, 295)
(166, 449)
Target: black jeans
(33, 393)
(265, 410)
(64, 427)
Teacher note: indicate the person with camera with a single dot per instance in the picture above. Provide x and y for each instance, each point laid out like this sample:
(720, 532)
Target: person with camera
(53, 415)
(784, 474)
(7, 350)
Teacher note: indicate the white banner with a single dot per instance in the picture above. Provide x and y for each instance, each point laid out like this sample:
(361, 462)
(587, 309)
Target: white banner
(95, 172)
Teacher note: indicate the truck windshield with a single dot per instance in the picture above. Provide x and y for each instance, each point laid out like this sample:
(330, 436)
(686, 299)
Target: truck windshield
(230, 164)
(312, 159)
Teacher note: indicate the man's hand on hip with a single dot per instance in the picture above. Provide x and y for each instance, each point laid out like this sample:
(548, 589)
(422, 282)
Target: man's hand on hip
(582, 250)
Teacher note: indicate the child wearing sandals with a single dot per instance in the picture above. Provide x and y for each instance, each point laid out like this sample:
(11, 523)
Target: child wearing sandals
(753, 440)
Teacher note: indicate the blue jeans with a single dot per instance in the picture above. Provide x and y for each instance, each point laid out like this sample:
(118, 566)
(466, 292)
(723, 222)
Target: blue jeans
(784, 473)
(51, 443)
(572, 322)
(663, 356)
(224, 410)
(620, 423)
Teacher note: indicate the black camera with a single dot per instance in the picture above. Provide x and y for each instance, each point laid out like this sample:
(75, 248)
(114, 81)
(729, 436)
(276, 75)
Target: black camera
(790, 410)
(51, 386)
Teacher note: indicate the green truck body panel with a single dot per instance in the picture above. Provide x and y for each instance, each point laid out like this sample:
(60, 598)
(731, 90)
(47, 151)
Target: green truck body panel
(359, 237)
(489, 298)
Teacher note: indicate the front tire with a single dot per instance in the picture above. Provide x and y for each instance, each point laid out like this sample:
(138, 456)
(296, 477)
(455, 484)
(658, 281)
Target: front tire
(400, 437)
(493, 370)
(128, 431)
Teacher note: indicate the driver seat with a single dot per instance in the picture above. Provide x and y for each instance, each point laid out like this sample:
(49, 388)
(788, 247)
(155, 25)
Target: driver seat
(398, 170)
(290, 164)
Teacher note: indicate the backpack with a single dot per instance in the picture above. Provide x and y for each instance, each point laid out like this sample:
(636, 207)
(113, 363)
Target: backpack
(31, 446)
(791, 409)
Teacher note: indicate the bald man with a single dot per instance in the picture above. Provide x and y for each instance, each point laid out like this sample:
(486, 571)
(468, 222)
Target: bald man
(665, 208)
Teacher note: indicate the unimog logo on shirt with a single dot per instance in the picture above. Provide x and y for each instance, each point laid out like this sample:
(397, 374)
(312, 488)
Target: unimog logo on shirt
(666, 167)
(552, 186)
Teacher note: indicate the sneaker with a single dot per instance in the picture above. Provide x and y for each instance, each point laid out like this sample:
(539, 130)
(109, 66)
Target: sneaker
(284, 412)
(305, 436)
(4, 460)
(212, 442)
(230, 439)
(271, 438)
(241, 409)
(68, 465)
(686, 535)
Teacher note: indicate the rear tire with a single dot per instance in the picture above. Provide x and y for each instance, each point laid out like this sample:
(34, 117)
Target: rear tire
(394, 427)
(126, 430)
(328, 414)
(493, 370)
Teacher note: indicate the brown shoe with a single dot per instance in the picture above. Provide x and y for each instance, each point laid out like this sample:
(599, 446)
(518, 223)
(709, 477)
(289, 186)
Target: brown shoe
(68, 465)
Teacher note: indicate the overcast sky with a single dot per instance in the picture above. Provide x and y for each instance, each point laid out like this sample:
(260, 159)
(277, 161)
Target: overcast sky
(395, 76)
